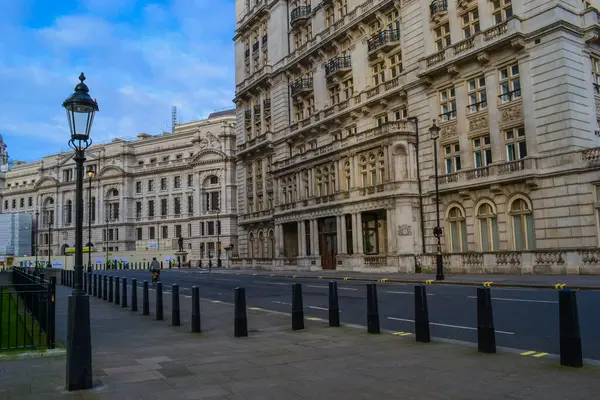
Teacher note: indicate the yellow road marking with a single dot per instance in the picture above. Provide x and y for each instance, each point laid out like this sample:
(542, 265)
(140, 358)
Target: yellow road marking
(345, 279)
(528, 353)
(314, 319)
(320, 277)
(383, 280)
(429, 281)
(294, 276)
(540, 355)
(401, 333)
(559, 286)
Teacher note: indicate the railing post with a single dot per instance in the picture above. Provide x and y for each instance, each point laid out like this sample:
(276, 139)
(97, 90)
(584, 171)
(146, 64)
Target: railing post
(117, 290)
(175, 312)
(51, 317)
(159, 301)
(110, 289)
(145, 299)
(124, 293)
(134, 304)
(196, 327)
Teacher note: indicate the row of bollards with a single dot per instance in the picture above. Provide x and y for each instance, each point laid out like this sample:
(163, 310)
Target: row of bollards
(570, 338)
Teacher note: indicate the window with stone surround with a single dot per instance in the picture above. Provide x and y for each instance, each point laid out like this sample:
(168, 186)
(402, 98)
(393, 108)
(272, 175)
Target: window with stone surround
(370, 227)
(448, 104)
(342, 8)
(441, 36)
(510, 83)
(470, 23)
(457, 238)
(151, 234)
(482, 151)
(597, 205)
(299, 110)
(325, 177)
(334, 95)
(177, 231)
(348, 86)
(163, 207)
(309, 105)
(165, 232)
(502, 10)
(400, 114)
(163, 183)
(380, 120)
(516, 146)
(138, 187)
(138, 210)
(150, 208)
(596, 74)
(372, 169)
(177, 206)
(522, 224)
(488, 227)
(452, 158)
(477, 94)
(395, 61)
(329, 16)
(347, 176)
(177, 182)
(378, 70)
(139, 233)
(190, 204)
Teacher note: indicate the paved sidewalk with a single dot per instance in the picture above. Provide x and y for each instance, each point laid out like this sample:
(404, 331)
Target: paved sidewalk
(136, 357)
(590, 282)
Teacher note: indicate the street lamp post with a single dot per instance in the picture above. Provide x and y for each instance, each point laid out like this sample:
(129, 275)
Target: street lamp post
(49, 239)
(90, 175)
(80, 109)
(106, 240)
(37, 214)
(218, 239)
(434, 130)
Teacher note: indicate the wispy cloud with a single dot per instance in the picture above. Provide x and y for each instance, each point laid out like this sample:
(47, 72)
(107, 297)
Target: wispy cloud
(140, 59)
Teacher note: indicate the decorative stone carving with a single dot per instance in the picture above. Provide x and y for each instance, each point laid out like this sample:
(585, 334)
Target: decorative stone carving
(480, 122)
(448, 131)
(483, 58)
(404, 230)
(518, 44)
(513, 113)
(549, 258)
(508, 258)
(472, 259)
(453, 70)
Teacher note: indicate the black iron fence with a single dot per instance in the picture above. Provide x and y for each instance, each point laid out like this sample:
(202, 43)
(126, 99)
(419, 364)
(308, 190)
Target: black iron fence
(28, 311)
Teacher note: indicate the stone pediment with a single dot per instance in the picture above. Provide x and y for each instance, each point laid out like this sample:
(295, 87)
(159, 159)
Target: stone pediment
(208, 155)
(206, 140)
(111, 171)
(45, 182)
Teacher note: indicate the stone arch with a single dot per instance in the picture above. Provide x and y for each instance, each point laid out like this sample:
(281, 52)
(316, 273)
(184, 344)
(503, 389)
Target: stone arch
(400, 166)
(261, 244)
(520, 227)
(108, 168)
(45, 179)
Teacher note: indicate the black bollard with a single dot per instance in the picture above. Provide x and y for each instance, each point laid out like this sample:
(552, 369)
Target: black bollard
(334, 308)
(110, 289)
(90, 283)
(175, 312)
(570, 337)
(84, 281)
(240, 319)
(196, 327)
(486, 334)
(124, 293)
(95, 285)
(71, 280)
(372, 309)
(145, 299)
(117, 290)
(159, 301)
(62, 277)
(421, 315)
(297, 307)
(105, 287)
(134, 306)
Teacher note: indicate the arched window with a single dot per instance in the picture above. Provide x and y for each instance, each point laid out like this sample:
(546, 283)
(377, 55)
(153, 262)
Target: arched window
(488, 228)
(400, 161)
(522, 224)
(251, 245)
(271, 245)
(325, 182)
(380, 168)
(458, 231)
(69, 212)
(261, 247)
(319, 187)
(347, 179)
(363, 171)
(372, 170)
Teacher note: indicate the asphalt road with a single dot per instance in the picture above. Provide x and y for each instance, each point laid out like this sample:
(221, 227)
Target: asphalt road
(525, 319)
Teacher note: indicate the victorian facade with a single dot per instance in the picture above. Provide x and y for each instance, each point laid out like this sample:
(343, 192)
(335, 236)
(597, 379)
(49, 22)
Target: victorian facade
(145, 193)
(335, 162)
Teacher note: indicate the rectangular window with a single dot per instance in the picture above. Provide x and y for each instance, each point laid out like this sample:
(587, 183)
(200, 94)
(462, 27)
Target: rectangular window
(329, 17)
(190, 180)
(348, 85)
(378, 73)
(381, 120)
(201, 228)
(442, 36)
(210, 226)
(177, 206)
(400, 114)
(596, 74)
(396, 65)
(30, 203)
(139, 234)
(452, 157)
(165, 232)
(448, 104)
(151, 185)
(510, 84)
(150, 208)
(482, 151)
(470, 23)
(22, 202)
(163, 183)
(177, 182)
(502, 10)
(308, 238)
(349, 242)
(151, 233)
(177, 231)
(138, 187)
(334, 95)
(214, 201)
(189, 230)
(310, 106)
(477, 94)
(190, 204)
(516, 147)
(163, 207)
(138, 210)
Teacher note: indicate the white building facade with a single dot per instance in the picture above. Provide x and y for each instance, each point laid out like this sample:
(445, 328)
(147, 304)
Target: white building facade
(335, 162)
(145, 194)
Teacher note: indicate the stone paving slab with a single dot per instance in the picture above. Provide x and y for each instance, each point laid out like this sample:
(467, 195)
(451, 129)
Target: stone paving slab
(136, 357)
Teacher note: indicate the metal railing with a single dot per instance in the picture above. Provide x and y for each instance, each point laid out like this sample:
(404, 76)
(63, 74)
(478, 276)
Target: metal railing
(383, 37)
(437, 6)
(300, 85)
(299, 13)
(336, 64)
(28, 311)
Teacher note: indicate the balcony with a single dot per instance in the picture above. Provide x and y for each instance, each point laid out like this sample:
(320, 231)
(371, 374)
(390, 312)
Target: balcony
(258, 9)
(299, 15)
(255, 217)
(338, 66)
(383, 41)
(437, 9)
(301, 86)
(477, 47)
(523, 169)
(255, 145)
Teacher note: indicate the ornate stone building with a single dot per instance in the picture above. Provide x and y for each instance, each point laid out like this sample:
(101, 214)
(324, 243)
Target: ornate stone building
(335, 165)
(146, 192)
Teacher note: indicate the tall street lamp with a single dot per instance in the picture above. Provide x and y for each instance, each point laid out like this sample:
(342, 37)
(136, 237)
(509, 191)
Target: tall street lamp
(106, 240)
(218, 239)
(37, 215)
(90, 175)
(80, 109)
(434, 130)
(50, 216)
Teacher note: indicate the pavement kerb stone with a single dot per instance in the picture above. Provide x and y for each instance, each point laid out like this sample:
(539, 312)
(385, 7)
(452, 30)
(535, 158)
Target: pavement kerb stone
(414, 281)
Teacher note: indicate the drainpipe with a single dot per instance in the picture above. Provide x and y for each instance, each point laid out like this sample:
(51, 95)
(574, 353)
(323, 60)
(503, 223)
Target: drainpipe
(416, 121)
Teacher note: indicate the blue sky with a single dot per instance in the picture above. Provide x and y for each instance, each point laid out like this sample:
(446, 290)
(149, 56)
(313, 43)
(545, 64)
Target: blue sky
(140, 58)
